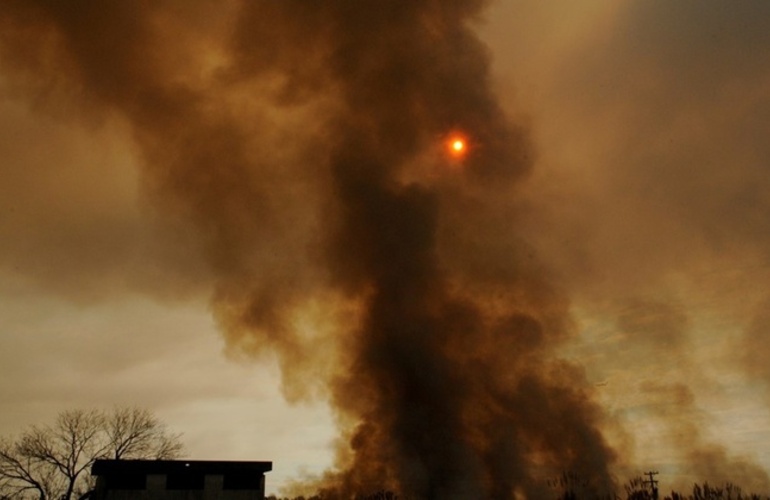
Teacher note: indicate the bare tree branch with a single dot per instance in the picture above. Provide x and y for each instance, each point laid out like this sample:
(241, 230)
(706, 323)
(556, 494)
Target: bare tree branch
(20, 474)
(52, 461)
(135, 432)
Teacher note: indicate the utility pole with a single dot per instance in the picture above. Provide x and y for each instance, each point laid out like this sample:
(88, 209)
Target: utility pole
(652, 482)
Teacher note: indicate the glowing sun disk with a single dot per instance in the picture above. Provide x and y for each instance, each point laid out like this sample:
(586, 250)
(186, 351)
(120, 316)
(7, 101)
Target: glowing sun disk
(456, 146)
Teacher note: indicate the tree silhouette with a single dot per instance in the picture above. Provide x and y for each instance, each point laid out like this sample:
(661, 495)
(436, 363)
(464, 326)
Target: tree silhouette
(51, 462)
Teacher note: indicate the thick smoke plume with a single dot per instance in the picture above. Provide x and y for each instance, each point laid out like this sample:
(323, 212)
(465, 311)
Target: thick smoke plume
(302, 142)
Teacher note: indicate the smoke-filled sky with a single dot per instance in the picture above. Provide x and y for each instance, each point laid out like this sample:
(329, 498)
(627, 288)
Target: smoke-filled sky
(239, 215)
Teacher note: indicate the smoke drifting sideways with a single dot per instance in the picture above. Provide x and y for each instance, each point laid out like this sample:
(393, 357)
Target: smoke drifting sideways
(302, 142)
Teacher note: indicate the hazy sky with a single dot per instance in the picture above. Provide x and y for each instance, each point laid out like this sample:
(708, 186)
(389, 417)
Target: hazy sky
(647, 207)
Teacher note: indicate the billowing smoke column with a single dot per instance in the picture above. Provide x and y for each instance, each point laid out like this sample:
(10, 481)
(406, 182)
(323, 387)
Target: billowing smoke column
(302, 140)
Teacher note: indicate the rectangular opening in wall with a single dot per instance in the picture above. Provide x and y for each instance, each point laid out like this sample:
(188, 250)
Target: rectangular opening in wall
(126, 481)
(242, 481)
(185, 481)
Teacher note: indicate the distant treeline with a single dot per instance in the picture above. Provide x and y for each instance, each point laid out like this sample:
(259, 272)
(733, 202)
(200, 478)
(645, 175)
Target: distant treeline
(635, 489)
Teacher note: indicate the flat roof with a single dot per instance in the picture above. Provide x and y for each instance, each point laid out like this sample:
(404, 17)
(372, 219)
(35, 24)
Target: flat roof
(103, 467)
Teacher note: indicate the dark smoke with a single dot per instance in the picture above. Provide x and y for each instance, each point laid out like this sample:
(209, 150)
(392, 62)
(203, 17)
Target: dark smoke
(301, 140)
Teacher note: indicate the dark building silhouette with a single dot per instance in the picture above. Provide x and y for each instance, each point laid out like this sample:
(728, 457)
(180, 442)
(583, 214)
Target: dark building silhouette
(179, 480)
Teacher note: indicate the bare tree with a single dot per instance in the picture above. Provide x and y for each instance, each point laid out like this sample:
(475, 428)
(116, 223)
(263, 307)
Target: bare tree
(22, 477)
(52, 462)
(137, 433)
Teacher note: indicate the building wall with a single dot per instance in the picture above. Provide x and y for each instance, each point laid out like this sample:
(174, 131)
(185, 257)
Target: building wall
(156, 487)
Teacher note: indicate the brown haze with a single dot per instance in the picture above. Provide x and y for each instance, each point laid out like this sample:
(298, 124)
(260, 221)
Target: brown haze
(441, 377)
(291, 152)
(649, 200)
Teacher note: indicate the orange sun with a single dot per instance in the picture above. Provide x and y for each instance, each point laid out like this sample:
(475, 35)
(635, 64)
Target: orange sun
(456, 146)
